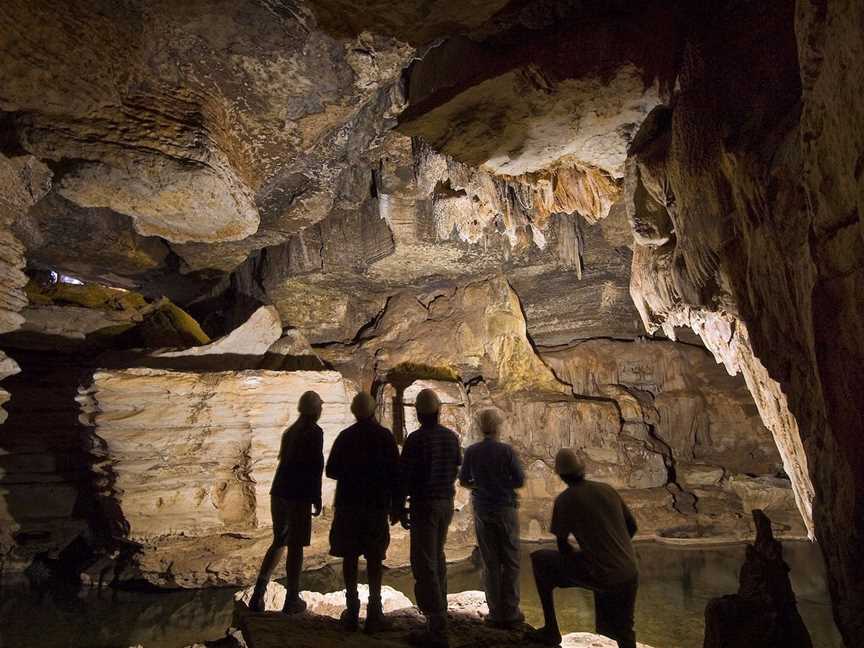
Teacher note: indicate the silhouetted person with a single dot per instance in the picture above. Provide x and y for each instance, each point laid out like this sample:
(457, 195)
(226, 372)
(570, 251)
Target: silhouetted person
(295, 497)
(430, 462)
(364, 461)
(605, 563)
(492, 471)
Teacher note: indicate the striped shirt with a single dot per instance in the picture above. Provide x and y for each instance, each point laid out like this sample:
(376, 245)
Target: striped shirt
(429, 464)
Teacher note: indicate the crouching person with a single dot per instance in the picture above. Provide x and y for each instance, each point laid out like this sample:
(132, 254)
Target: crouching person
(605, 563)
(294, 498)
(364, 461)
(493, 473)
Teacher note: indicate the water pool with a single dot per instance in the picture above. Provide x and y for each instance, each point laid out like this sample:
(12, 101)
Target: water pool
(676, 583)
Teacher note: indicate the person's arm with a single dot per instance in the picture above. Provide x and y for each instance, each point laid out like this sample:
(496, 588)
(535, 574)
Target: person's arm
(564, 545)
(629, 520)
(517, 474)
(334, 461)
(397, 499)
(318, 469)
(407, 465)
(559, 531)
(466, 478)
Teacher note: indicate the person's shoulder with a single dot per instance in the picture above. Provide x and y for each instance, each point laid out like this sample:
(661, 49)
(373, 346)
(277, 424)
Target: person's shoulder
(450, 433)
(471, 449)
(347, 431)
(384, 432)
(601, 489)
(598, 486)
(564, 495)
(505, 446)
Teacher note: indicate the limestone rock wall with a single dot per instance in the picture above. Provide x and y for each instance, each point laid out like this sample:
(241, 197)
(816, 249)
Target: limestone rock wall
(192, 456)
(754, 171)
(659, 419)
(45, 477)
(24, 181)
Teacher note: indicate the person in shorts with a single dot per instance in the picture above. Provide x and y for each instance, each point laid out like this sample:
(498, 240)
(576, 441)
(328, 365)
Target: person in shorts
(295, 497)
(364, 461)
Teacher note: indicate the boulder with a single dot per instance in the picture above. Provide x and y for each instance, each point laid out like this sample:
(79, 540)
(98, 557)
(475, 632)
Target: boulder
(312, 629)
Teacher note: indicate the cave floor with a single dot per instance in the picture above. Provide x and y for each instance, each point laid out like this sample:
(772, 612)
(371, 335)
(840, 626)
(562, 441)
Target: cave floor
(275, 630)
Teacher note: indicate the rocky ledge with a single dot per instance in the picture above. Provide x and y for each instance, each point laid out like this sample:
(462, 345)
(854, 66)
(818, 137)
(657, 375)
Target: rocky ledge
(319, 625)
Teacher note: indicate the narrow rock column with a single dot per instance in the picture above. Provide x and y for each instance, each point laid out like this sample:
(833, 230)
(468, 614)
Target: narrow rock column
(764, 613)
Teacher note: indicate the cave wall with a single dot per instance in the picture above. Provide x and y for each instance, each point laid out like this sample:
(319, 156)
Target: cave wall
(763, 192)
(190, 458)
(242, 155)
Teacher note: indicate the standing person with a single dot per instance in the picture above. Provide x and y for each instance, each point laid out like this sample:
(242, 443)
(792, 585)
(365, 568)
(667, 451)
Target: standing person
(295, 497)
(364, 461)
(492, 471)
(429, 464)
(600, 521)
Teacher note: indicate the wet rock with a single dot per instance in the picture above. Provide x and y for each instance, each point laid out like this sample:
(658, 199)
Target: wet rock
(764, 612)
(331, 604)
(466, 611)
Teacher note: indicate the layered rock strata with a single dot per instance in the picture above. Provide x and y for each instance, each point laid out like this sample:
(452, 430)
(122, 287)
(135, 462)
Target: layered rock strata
(191, 457)
(24, 181)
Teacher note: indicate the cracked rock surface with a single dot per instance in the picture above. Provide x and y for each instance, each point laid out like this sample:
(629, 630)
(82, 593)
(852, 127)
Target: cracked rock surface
(634, 228)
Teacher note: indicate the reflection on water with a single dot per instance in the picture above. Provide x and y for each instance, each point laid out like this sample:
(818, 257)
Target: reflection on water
(676, 583)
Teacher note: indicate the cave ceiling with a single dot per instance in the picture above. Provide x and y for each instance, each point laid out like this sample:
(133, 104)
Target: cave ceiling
(281, 150)
(517, 177)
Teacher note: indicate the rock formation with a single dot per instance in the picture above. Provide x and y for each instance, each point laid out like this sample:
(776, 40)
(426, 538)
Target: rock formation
(763, 613)
(190, 458)
(319, 624)
(565, 210)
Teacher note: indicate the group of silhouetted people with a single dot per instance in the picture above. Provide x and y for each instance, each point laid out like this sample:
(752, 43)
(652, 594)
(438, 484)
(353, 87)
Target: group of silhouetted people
(376, 487)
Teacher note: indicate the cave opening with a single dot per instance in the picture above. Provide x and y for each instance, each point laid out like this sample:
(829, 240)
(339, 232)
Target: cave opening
(632, 229)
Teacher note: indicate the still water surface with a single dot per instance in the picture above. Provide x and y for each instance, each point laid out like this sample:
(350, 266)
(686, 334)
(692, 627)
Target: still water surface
(675, 585)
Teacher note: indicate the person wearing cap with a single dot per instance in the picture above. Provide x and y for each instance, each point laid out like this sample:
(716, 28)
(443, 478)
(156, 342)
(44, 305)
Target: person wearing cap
(364, 461)
(493, 473)
(429, 465)
(596, 516)
(295, 497)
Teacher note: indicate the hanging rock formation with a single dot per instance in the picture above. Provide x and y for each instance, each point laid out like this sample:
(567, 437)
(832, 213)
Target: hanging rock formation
(502, 199)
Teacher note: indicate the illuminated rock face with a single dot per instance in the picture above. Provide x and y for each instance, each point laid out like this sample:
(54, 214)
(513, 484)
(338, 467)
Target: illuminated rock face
(192, 456)
(592, 173)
